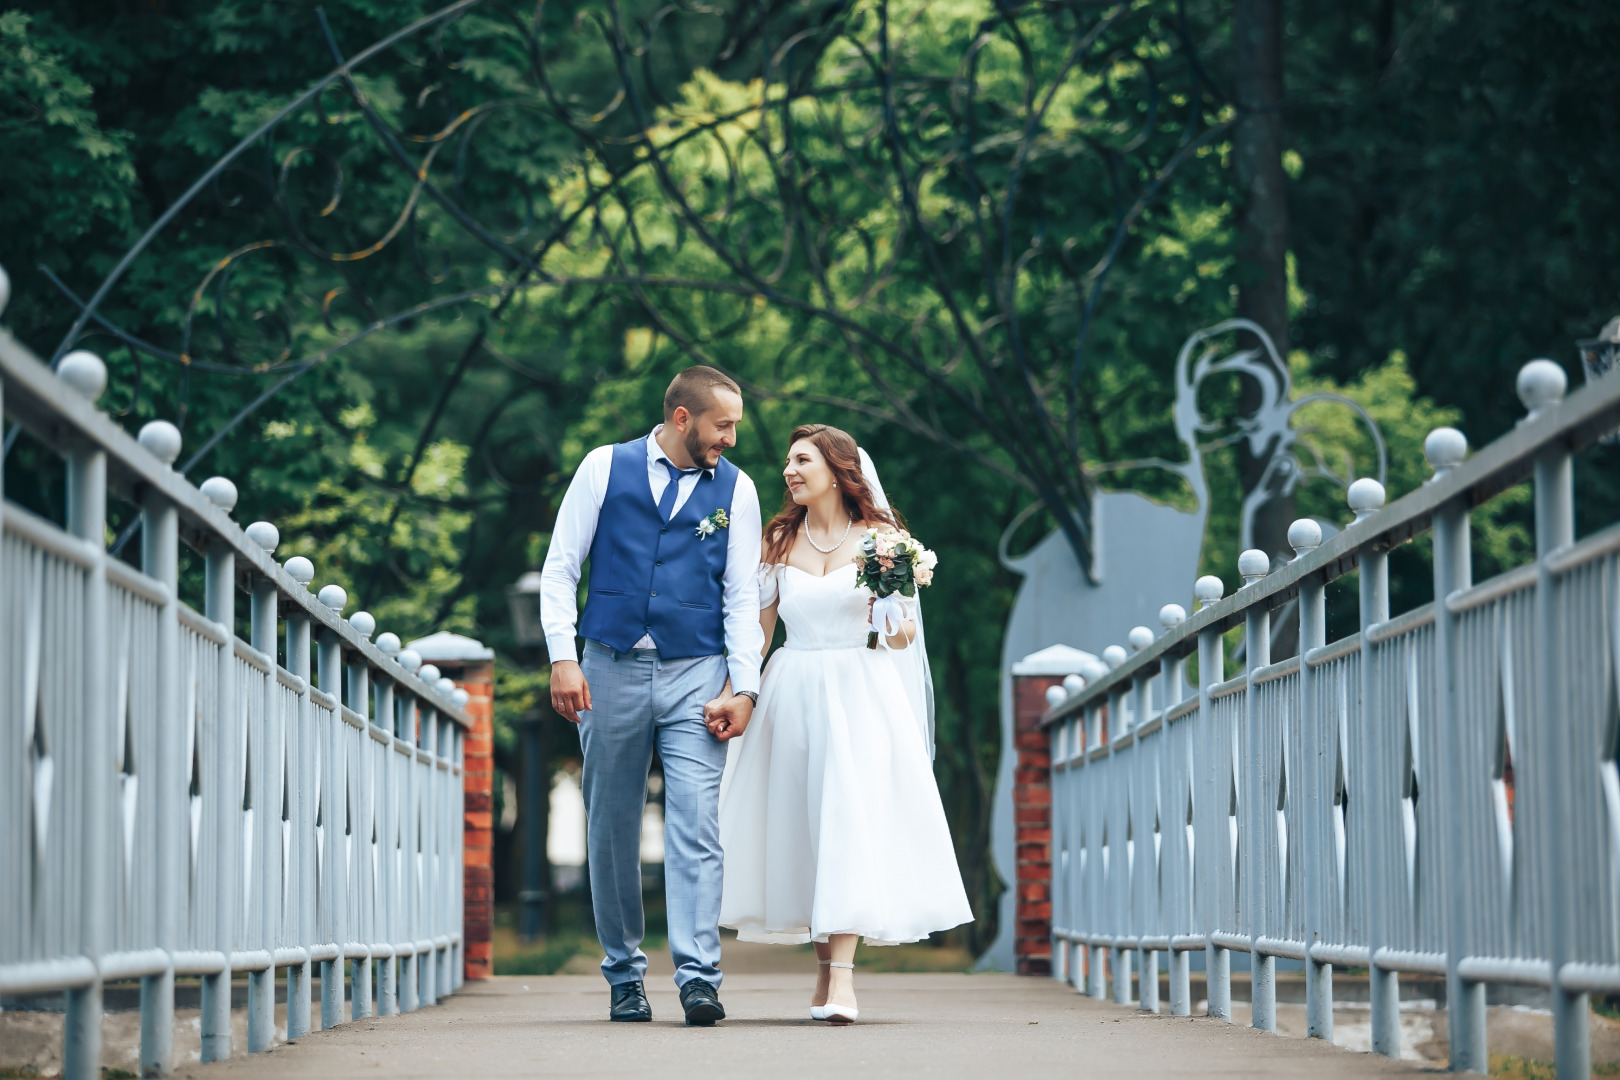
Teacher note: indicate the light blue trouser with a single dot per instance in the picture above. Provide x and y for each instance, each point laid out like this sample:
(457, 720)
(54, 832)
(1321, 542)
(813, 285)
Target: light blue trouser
(640, 702)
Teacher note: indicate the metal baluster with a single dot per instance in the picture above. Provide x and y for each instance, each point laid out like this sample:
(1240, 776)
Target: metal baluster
(427, 921)
(1541, 385)
(301, 976)
(87, 520)
(331, 679)
(1174, 674)
(160, 553)
(1211, 669)
(219, 579)
(387, 900)
(360, 702)
(1253, 565)
(1453, 570)
(262, 984)
(1383, 987)
(1319, 733)
(1147, 979)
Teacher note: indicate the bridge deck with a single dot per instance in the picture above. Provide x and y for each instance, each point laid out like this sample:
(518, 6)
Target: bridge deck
(939, 1025)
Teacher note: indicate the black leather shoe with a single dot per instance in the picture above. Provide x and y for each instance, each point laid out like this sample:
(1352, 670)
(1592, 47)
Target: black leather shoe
(630, 1004)
(701, 1000)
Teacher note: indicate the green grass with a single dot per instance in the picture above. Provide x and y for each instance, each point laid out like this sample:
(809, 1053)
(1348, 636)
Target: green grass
(1518, 1068)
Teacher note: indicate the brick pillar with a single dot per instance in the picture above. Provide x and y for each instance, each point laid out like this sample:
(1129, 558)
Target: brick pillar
(1032, 818)
(478, 785)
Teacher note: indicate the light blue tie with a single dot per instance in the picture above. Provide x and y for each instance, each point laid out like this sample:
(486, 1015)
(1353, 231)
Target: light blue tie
(666, 502)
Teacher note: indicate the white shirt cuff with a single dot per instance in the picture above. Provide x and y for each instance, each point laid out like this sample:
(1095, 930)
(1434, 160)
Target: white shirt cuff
(744, 677)
(562, 648)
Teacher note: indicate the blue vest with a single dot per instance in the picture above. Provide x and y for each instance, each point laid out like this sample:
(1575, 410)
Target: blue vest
(653, 577)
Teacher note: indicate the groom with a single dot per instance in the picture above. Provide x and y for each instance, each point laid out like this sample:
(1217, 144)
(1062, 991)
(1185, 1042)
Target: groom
(672, 532)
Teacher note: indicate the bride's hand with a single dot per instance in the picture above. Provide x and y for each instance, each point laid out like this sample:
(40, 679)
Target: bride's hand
(727, 717)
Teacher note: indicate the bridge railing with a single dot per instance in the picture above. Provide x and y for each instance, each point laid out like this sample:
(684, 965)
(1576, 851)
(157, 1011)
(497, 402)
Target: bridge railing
(176, 801)
(1436, 794)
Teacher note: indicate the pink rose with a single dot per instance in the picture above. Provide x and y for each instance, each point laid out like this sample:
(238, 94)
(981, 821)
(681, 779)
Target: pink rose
(924, 575)
(886, 563)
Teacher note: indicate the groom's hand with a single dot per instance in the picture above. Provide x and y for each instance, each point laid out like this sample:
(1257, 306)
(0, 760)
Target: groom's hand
(570, 693)
(727, 717)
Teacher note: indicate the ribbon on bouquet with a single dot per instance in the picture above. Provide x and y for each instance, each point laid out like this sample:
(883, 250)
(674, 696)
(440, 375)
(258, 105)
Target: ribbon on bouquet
(889, 614)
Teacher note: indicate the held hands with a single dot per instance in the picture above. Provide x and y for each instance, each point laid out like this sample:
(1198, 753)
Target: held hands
(727, 716)
(570, 693)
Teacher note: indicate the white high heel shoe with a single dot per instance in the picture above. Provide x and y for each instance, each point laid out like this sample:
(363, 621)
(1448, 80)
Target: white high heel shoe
(819, 1012)
(834, 1013)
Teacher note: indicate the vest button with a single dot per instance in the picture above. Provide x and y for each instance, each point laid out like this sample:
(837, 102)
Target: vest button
(655, 592)
(664, 530)
(660, 562)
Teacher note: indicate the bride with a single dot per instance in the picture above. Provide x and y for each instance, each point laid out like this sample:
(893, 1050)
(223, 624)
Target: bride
(829, 816)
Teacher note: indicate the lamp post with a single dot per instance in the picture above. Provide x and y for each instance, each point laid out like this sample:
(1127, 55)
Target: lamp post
(523, 600)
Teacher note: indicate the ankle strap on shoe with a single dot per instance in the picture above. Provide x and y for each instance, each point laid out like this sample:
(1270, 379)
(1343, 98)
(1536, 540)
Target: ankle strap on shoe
(835, 963)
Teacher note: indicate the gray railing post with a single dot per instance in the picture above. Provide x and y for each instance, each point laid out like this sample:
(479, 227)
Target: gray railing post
(408, 902)
(87, 520)
(387, 715)
(1542, 383)
(331, 681)
(1173, 673)
(1453, 570)
(1211, 670)
(160, 560)
(360, 702)
(304, 783)
(219, 580)
(263, 630)
(1253, 566)
(1147, 959)
(1318, 734)
(1383, 987)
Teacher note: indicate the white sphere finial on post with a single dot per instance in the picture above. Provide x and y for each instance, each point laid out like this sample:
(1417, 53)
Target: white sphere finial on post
(1073, 684)
(1445, 448)
(161, 439)
(1304, 536)
(460, 697)
(388, 644)
(1093, 669)
(445, 686)
(428, 673)
(333, 596)
(221, 492)
(1055, 696)
(1139, 638)
(1114, 656)
(85, 372)
(1366, 497)
(1541, 383)
(300, 570)
(1172, 616)
(1208, 589)
(265, 535)
(1253, 565)
(364, 624)
(409, 659)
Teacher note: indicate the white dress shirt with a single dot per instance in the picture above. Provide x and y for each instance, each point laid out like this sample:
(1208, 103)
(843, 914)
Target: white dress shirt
(575, 530)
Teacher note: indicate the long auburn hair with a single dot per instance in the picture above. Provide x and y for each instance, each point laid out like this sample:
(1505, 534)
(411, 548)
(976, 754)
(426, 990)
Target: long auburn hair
(843, 457)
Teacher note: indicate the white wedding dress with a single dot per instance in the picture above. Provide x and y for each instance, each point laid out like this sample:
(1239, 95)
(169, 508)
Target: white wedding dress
(830, 819)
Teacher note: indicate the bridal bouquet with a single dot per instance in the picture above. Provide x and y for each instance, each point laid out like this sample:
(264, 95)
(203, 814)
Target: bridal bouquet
(890, 561)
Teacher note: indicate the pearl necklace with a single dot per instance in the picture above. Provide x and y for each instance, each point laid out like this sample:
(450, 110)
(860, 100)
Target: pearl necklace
(835, 547)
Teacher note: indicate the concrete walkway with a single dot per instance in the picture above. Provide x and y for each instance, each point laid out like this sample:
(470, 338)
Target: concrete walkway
(911, 1025)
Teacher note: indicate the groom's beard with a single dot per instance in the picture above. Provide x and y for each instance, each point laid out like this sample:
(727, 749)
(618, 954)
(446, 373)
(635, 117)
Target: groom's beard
(700, 452)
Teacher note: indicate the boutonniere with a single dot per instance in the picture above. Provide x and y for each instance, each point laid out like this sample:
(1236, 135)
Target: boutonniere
(712, 524)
